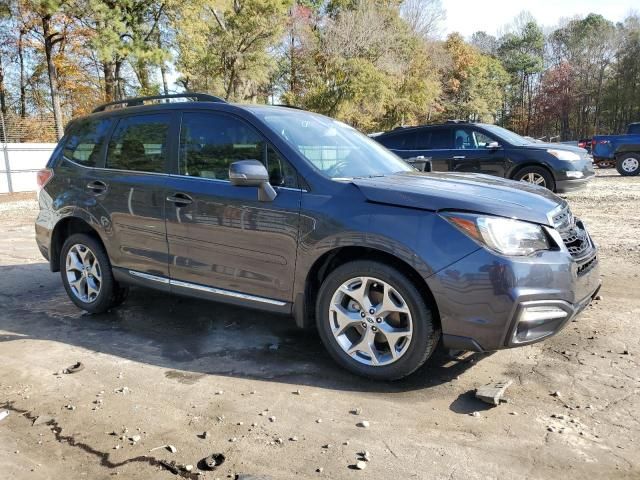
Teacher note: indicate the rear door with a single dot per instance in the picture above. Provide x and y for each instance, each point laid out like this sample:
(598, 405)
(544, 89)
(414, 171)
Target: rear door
(130, 193)
(220, 236)
(427, 143)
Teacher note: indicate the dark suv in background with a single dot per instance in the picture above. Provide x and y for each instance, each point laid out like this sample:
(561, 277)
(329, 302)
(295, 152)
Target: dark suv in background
(292, 212)
(458, 146)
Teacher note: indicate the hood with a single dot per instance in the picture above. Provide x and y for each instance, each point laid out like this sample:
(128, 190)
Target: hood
(556, 146)
(462, 192)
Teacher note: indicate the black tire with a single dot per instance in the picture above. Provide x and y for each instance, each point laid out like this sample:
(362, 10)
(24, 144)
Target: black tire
(549, 181)
(110, 293)
(626, 165)
(425, 334)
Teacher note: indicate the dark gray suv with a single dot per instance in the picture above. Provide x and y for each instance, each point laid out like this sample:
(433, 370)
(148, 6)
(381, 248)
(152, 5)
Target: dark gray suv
(293, 212)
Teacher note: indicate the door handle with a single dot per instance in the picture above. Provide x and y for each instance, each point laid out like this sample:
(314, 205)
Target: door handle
(180, 199)
(459, 157)
(97, 187)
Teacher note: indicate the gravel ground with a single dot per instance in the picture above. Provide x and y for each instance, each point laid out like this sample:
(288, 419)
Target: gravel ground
(167, 369)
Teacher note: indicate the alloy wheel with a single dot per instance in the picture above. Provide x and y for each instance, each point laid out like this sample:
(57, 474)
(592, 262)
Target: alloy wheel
(83, 273)
(534, 178)
(370, 321)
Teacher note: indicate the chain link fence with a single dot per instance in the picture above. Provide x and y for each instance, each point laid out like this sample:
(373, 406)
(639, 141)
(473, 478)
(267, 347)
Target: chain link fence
(25, 147)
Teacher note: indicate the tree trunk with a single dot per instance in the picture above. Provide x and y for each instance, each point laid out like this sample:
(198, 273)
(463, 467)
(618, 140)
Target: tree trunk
(23, 88)
(3, 92)
(53, 75)
(109, 81)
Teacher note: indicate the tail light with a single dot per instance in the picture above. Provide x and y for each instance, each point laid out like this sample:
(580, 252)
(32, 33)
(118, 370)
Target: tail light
(43, 177)
(603, 142)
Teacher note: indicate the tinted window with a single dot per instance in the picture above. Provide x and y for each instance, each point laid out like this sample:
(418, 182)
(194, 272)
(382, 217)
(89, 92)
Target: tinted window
(140, 143)
(210, 142)
(85, 141)
(634, 128)
(482, 140)
(398, 141)
(440, 139)
(423, 139)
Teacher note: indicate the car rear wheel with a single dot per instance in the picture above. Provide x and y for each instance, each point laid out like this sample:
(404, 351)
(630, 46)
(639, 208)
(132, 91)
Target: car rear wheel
(628, 164)
(87, 276)
(374, 322)
(537, 176)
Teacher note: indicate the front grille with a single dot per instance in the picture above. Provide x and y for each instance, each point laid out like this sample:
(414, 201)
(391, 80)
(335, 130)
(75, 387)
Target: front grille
(573, 233)
(588, 265)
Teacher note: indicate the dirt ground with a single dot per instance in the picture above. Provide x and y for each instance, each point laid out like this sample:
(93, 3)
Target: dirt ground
(168, 369)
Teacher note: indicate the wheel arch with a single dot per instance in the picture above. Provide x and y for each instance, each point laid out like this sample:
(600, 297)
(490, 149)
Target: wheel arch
(521, 166)
(66, 227)
(304, 305)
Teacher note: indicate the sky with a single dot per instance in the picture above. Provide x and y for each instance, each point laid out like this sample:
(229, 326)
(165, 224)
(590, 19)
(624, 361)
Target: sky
(469, 16)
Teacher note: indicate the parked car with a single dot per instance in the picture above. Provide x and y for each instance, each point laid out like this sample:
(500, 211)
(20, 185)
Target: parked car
(458, 146)
(623, 151)
(292, 212)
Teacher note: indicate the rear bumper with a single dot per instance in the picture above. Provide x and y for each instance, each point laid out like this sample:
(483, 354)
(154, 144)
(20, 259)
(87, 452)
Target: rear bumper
(489, 302)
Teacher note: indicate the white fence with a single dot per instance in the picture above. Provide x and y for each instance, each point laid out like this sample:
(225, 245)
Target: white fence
(19, 163)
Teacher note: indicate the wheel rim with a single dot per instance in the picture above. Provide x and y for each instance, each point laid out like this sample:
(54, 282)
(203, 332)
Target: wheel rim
(83, 273)
(630, 164)
(370, 321)
(534, 178)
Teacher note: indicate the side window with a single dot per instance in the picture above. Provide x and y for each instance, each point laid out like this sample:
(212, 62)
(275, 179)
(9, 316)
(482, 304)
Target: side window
(481, 139)
(464, 139)
(210, 142)
(85, 141)
(423, 140)
(139, 143)
(634, 129)
(281, 173)
(399, 141)
(440, 139)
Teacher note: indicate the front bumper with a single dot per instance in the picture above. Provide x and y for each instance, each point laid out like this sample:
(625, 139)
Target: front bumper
(571, 185)
(481, 298)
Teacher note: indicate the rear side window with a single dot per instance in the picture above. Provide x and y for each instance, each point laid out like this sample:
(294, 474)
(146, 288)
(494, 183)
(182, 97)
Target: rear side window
(211, 142)
(634, 128)
(139, 143)
(398, 141)
(440, 139)
(85, 140)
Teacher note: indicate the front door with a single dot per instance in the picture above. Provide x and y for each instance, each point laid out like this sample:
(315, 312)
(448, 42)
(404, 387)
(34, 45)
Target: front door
(472, 153)
(220, 235)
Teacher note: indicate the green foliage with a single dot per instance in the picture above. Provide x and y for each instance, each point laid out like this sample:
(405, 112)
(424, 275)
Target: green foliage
(226, 51)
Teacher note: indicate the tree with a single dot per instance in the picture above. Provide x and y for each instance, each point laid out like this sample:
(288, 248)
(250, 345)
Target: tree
(226, 52)
(474, 84)
(521, 52)
(424, 17)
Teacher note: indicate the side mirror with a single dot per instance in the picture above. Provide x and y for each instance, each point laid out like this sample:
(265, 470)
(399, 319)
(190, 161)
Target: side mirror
(252, 173)
(493, 145)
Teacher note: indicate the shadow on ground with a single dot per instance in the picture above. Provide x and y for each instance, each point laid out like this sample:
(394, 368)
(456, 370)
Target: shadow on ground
(190, 338)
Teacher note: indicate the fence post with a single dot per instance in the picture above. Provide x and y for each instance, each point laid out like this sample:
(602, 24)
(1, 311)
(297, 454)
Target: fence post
(5, 150)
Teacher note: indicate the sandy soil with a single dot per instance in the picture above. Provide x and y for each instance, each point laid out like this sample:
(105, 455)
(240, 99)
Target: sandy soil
(190, 367)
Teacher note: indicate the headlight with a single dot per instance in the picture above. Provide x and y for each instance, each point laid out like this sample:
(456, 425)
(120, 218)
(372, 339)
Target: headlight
(564, 155)
(503, 235)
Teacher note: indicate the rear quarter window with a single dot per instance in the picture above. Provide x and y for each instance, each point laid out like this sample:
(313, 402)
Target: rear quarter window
(398, 141)
(84, 141)
(634, 129)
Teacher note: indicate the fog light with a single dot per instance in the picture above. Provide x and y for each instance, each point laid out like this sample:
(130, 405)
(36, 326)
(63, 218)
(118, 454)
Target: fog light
(538, 321)
(575, 174)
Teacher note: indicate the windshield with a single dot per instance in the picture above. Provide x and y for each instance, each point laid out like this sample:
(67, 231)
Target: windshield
(337, 150)
(507, 135)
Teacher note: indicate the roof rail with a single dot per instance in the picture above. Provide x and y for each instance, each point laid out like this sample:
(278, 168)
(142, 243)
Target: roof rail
(457, 121)
(137, 101)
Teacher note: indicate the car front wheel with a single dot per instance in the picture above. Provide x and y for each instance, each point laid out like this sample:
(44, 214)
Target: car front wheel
(374, 321)
(537, 176)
